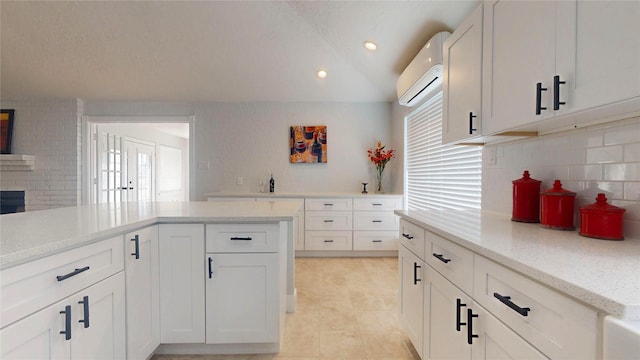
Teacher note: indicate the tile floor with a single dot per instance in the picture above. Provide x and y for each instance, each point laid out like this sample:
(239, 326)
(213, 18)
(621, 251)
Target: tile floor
(347, 309)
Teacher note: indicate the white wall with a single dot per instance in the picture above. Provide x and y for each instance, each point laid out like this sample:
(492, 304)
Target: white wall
(49, 130)
(252, 141)
(597, 159)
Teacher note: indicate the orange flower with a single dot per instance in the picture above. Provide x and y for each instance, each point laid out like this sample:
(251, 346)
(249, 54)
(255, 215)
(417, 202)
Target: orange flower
(379, 156)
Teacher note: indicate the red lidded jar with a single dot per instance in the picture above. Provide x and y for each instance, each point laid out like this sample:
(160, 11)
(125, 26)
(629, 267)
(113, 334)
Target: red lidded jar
(526, 199)
(556, 208)
(601, 220)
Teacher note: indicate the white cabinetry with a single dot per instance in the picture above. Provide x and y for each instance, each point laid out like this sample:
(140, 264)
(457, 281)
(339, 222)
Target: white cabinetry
(462, 81)
(243, 289)
(143, 292)
(375, 226)
(328, 224)
(475, 308)
(79, 313)
(551, 59)
(182, 274)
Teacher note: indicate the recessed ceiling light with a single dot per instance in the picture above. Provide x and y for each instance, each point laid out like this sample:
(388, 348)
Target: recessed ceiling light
(370, 45)
(322, 74)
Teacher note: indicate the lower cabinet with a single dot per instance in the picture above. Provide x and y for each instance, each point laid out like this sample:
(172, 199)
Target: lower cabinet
(411, 295)
(143, 292)
(242, 298)
(86, 325)
(182, 273)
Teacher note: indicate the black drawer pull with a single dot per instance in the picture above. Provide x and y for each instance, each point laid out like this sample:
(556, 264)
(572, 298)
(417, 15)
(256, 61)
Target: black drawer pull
(67, 322)
(328, 221)
(441, 258)
(507, 301)
(377, 241)
(459, 306)
(73, 273)
(407, 236)
(471, 128)
(328, 204)
(539, 90)
(241, 238)
(470, 334)
(556, 92)
(376, 221)
(376, 204)
(210, 267)
(136, 240)
(328, 241)
(85, 310)
(415, 273)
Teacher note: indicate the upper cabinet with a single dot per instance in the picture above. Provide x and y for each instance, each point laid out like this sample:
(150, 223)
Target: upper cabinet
(562, 64)
(462, 81)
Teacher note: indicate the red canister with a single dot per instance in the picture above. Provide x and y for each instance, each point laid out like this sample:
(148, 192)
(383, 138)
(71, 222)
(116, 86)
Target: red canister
(556, 208)
(526, 199)
(601, 220)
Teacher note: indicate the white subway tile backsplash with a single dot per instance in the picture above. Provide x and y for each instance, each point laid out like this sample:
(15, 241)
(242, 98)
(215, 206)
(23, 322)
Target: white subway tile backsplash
(586, 139)
(606, 154)
(591, 172)
(622, 172)
(632, 191)
(625, 134)
(632, 152)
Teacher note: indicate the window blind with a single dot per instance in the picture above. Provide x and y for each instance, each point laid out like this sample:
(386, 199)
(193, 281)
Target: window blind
(439, 176)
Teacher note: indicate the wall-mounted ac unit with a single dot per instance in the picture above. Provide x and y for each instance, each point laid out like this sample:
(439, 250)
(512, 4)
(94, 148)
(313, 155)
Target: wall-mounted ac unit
(424, 73)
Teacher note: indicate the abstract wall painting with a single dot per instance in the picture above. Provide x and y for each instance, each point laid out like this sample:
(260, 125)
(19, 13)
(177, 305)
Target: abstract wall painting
(308, 144)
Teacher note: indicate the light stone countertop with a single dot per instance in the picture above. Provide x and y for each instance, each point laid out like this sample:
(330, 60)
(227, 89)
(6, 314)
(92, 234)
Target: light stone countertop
(297, 195)
(604, 274)
(31, 235)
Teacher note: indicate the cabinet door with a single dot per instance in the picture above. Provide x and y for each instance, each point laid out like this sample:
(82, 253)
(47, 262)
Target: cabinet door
(143, 292)
(101, 308)
(242, 298)
(599, 48)
(496, 341)
(412, 271)
(445, 319)
(462, 81)
(37, 336)
(182, 272)
(519, 52)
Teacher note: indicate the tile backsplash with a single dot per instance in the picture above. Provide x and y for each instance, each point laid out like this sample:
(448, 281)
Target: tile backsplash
(597, 159)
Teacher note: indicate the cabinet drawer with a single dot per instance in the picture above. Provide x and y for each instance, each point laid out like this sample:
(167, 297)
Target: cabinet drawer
(375, 220)
(451, 260)
(377, 204)
(412, 237)
(375, 240)
(328, 204)
(233, 238)
(558, 326)
(328, 220)
(32, 286)
(328, 240)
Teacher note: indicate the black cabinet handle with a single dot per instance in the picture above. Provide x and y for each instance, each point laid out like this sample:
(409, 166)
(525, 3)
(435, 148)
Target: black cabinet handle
(328, 221)
(415, 273)
(407, 236)
(328, 241)
(376, 204)
(507, 301)
(210, 267)
(470, 334)
(471, 128)
(136, 241)
(67, 322)
(376, 221)
(85, 305)
(241, 238)
(441, 258)
(73, 273)
(328, 204)
(556, 92)
(539, 90)
(376, 241)
(459, 306)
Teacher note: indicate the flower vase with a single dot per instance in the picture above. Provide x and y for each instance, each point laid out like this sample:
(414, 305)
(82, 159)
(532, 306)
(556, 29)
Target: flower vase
(379, 188)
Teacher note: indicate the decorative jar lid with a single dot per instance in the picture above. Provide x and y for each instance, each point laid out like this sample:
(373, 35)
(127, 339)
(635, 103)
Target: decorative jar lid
(557, 190)
(525, 179)
(601, 206)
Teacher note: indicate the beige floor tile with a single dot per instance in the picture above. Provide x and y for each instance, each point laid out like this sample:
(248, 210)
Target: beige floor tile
(381, 300)
(338, 319)
(390, 346)
(341, 344)
(372, 323)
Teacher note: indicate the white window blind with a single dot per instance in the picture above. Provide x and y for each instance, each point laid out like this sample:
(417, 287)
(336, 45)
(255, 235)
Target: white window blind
(438, 176)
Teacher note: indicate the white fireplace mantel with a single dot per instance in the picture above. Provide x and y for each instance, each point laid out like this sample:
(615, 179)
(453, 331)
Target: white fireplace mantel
(12, 162)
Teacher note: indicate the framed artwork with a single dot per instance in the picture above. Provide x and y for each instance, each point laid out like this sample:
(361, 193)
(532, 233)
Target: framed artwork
(308, 144)
(6, 130)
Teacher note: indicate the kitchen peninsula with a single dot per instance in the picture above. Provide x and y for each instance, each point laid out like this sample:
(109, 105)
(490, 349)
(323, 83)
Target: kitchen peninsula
(179, 262)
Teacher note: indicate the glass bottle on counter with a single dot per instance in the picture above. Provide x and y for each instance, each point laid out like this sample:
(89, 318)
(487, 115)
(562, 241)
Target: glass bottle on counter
(272, 184)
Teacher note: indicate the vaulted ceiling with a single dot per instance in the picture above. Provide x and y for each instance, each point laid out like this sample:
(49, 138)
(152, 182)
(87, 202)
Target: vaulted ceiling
(230, 51)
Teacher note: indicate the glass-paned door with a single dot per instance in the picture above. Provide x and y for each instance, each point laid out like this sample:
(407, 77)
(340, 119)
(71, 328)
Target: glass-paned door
(139, 176)
(110, 169)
